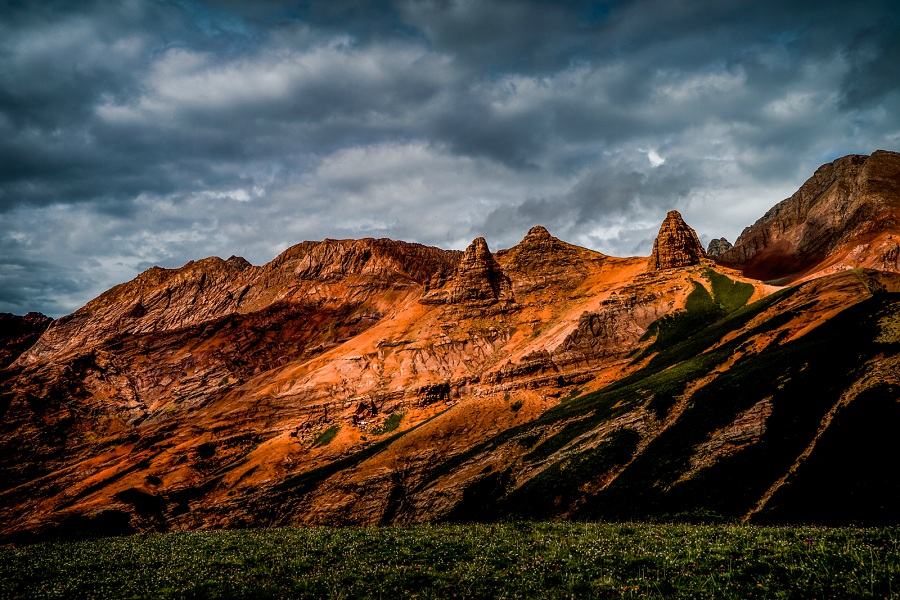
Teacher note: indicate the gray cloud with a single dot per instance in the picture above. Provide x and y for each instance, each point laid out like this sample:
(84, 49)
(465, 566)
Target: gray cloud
(874, 71)
(143, 133)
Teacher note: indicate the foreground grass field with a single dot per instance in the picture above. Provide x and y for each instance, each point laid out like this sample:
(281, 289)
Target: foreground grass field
(525, 560)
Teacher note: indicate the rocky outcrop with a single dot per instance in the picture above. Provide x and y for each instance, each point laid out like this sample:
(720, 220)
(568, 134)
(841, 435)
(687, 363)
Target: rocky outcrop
(676, 245)
(848, 203)
(18, 334)
(612, 330)
(718, 247)
(329, 274)
(540, 261)
(478, 281)
(156, 300)
(374, 258)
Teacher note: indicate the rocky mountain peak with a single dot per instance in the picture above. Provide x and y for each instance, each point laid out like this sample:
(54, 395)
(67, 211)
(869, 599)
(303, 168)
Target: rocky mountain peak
(237, 263)
(383, 259)
(846, 207)
(537, 233)
(676, 245)
(536, 247)
(541, 260)
(477, 253)
(718, 247)
(478, 280)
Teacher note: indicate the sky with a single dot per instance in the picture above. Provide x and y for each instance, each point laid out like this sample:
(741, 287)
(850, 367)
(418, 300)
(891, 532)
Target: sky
(136, 133)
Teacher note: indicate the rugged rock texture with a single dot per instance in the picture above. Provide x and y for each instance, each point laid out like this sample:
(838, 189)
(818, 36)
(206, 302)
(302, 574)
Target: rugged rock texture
(718, 247)
(177, 400)
(18, 334)
(676, 245)
(310, 274)
(846, 215)
(478, 281)
(541, 260)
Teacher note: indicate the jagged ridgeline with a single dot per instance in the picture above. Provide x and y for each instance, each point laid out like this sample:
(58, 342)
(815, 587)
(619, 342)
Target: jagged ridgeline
(376, 381)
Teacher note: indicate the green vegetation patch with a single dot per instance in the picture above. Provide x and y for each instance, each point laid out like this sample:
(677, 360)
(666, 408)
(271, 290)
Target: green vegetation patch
(700, 331)
(324, 438)
(730, 295)
(390, 424)
(512, 560)
(554, 489)
(571, 395)
(699, 311)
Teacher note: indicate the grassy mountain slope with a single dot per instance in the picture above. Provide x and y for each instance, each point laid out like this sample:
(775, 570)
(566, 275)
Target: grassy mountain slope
(707, 427)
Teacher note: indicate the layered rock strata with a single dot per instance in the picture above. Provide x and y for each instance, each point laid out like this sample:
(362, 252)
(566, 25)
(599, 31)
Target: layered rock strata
(313, 274)
(849, 205)
(676, 245)
(478, 281)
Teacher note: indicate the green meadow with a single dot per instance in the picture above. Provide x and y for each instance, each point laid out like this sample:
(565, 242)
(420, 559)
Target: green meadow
(509, 560)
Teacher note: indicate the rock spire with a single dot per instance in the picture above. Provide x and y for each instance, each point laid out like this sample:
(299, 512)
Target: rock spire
(676, 245)
(478, 280)
(718, 247)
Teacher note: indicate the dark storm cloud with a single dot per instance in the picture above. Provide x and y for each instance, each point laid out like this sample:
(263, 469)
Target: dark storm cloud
(874, 69)
(504, 36)
(146, 132)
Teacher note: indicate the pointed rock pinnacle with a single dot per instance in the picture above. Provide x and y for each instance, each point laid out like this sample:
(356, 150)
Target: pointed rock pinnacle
(478, 279)
(676, 245)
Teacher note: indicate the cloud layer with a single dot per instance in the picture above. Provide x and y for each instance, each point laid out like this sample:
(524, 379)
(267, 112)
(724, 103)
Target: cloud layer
(142, 133)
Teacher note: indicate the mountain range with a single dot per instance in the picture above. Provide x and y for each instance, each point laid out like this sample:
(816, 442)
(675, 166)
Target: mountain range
(376, 381)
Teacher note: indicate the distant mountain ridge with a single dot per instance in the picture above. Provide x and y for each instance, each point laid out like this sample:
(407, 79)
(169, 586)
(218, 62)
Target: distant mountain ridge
(375, 381)
(845, 216)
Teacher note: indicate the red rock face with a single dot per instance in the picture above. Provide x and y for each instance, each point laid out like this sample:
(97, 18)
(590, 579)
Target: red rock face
(199, 387)
(541, 260)
(318, 274)
(841, 217)
(478, 281)
(676, 245)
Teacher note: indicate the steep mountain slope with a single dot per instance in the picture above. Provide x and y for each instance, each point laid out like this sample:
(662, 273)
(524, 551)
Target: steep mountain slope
(373, 381)
(734, 421)
(847, 215)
